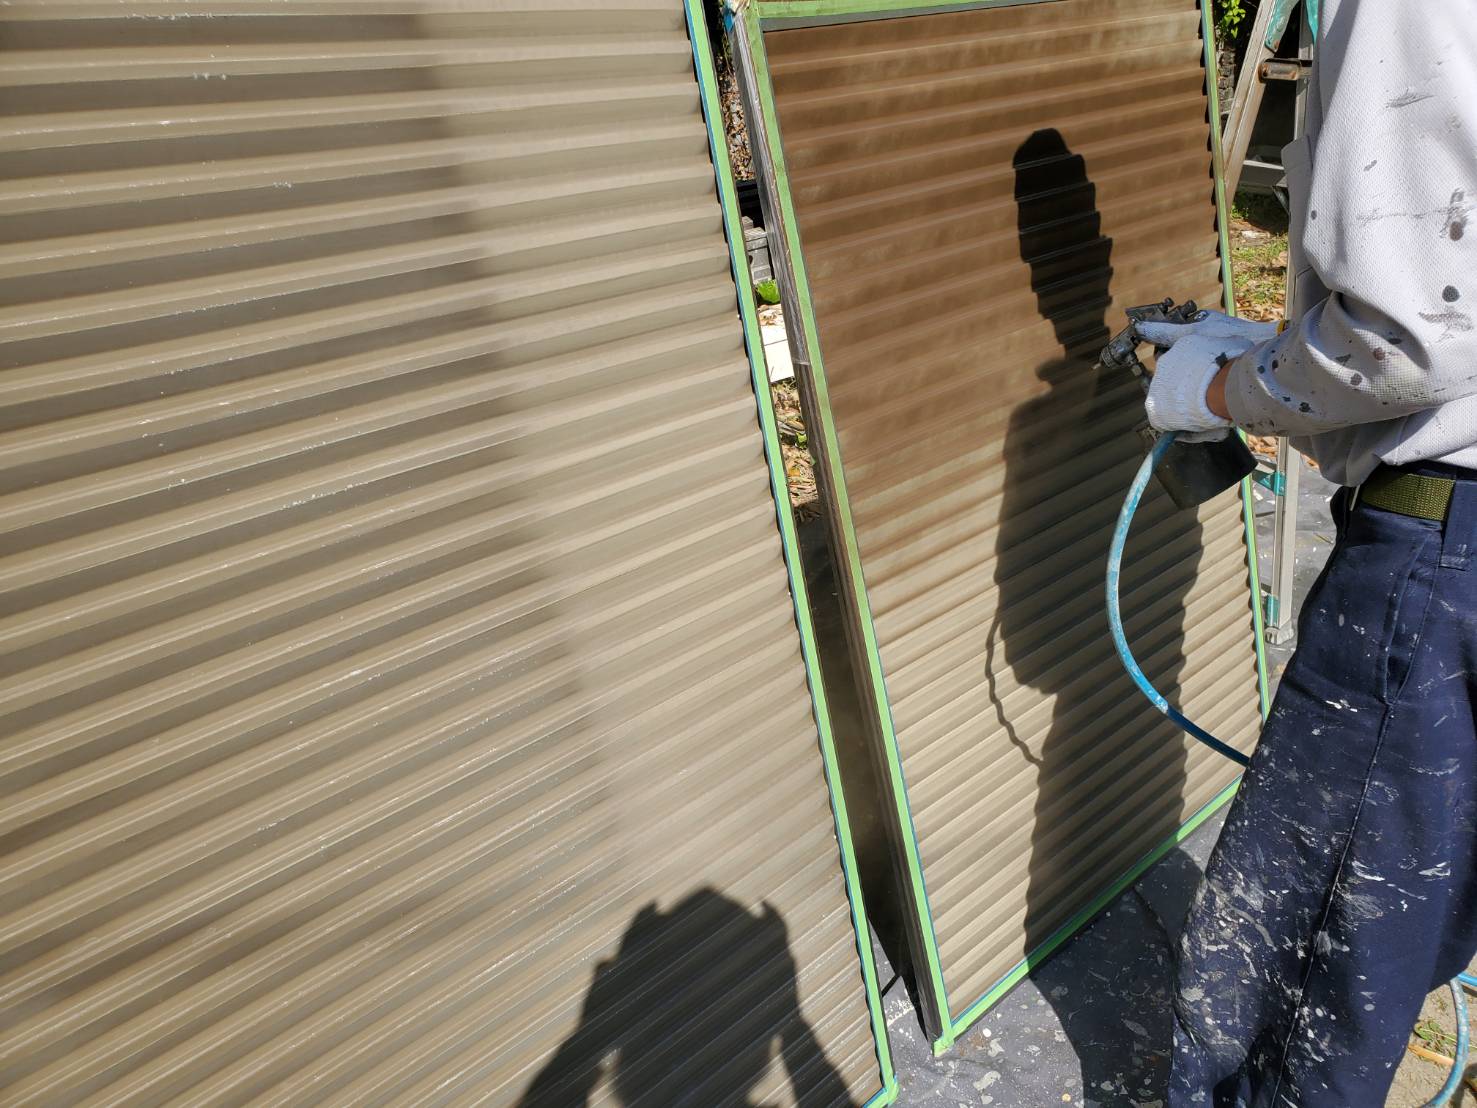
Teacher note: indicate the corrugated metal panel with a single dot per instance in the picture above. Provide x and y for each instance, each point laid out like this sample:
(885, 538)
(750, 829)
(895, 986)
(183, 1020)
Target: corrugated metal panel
(400, 677)
(977, 197)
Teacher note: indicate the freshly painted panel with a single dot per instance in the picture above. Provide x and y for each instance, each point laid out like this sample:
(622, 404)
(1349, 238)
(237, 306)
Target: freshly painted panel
(401, 688)
(976, 196)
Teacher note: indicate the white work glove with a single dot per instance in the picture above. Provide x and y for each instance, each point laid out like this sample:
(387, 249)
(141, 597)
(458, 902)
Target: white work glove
(1182, 374)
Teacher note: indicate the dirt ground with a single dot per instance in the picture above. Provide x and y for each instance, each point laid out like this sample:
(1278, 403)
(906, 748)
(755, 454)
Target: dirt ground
(1258, 234)
(733, 121)
(1419, 1079)
(794, 444)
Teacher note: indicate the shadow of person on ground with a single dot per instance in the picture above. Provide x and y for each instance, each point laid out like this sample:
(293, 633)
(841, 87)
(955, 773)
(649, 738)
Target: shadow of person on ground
(1050, 633)
(1110, 988)
(640, 1021)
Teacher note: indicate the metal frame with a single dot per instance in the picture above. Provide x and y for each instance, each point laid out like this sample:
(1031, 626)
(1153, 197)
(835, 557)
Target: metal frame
(750, 18)
(1285, 487)
(769, 161)
(1281, 626)
(748, 311)
(815, 13)
(1247, 101)
(1285, 477)
(1228, 285)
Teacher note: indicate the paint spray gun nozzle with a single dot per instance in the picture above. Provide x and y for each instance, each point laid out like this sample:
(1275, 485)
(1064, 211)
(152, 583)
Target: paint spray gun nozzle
(1191, 472)
(1123, 351)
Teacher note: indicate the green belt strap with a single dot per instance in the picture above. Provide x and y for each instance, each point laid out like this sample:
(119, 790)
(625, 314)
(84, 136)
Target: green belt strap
(1410, 494)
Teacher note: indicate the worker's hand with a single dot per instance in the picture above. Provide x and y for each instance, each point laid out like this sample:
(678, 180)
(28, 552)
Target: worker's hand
(1183, 372)
(1240, 335)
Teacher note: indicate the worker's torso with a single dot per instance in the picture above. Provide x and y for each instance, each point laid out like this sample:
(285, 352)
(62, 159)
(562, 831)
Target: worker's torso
(1429, 94)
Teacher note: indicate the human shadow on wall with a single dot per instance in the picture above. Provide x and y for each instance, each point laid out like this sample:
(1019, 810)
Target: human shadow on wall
(1057, 688)
(665, 1018)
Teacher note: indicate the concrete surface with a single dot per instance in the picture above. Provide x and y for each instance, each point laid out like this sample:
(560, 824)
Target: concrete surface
(1090, 1027)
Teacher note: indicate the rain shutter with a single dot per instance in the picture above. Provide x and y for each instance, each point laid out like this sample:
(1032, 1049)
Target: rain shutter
(402, 698)
(975, 197)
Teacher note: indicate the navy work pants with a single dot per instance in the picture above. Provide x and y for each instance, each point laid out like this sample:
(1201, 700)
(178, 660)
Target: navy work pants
(1343, 888)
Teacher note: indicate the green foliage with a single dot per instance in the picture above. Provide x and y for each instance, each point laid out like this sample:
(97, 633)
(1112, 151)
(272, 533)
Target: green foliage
(767, 291)
(1228, 17)
(1435, 1036)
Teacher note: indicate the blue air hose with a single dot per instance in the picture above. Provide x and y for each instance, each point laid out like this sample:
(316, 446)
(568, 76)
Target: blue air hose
(1459, 1065)
(1125, 655)
(1115, 615)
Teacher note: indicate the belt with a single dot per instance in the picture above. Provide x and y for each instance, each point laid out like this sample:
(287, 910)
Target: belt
(1409, 494)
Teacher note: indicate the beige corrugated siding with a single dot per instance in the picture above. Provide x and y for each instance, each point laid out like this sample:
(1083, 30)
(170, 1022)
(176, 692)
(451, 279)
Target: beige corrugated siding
(399, 668)
(978, 197)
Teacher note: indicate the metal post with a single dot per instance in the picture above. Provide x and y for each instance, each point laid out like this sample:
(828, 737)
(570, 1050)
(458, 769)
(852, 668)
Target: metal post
(779, 251)
(1279, 622)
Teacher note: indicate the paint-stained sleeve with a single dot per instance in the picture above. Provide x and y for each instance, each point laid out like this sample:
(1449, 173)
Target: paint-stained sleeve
(1386, 224)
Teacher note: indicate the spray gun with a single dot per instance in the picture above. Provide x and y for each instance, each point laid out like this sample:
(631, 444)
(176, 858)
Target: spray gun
(1191, 472)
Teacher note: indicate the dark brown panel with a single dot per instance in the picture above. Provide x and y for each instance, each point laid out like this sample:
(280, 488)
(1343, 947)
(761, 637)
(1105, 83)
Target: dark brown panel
(978, 196)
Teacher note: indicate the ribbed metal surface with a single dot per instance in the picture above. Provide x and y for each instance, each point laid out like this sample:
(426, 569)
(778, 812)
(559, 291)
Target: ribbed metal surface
(978, 196)
(399, 668)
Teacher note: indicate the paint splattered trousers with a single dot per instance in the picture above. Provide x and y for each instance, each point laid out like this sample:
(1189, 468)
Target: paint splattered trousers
(1343, 888)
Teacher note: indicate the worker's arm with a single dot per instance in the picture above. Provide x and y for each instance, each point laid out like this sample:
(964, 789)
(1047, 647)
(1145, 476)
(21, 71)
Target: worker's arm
(1390, 229)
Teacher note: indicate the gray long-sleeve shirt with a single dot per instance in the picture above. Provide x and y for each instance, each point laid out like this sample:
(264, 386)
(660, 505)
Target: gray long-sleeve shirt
(1381, 363)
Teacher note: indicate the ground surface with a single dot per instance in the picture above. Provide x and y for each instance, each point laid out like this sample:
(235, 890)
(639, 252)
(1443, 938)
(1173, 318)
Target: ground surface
(733, 120)
(1258, 235)
(1090, 1027)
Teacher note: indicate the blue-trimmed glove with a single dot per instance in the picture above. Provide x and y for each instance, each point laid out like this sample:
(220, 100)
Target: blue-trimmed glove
(1183, 372)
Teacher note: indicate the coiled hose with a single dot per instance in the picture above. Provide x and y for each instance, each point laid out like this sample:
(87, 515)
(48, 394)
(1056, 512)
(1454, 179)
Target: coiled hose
(1125, 655)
